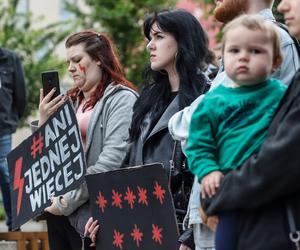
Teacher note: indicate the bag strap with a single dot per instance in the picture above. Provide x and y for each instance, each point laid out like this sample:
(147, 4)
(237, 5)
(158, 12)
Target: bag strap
(294, 233)
(178, 157)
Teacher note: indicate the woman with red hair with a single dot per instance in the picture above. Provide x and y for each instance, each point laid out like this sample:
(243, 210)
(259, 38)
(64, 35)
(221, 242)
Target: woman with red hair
(103, 101)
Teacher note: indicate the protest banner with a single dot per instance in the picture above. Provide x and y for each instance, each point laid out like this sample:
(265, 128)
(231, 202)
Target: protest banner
(134, 209)
(49, 163)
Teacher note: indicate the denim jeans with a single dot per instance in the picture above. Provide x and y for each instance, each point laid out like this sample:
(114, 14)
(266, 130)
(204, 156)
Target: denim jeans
(227, 231)
(5, 147)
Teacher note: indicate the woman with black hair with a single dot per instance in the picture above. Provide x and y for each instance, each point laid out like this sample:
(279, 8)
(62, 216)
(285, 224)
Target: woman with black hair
(178, 52)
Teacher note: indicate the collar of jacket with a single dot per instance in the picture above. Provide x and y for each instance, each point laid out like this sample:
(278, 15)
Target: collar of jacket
(98, 108)
(164, 119)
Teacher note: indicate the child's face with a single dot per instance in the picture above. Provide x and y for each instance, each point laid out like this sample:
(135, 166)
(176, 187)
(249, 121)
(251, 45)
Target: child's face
(248, 56)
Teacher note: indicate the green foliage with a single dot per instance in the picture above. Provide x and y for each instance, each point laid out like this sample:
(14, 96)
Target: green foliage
(122, 20)
(209, 1)
(34, 46)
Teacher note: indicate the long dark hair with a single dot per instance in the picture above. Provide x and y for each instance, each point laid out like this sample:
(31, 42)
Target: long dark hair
(100, 48)
(190, 61)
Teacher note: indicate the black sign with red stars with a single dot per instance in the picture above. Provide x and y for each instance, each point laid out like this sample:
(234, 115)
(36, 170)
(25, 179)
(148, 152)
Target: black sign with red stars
(134, 209)
(48, 163)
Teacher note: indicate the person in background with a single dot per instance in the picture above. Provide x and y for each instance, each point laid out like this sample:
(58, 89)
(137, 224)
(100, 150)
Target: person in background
(103, 100)
(12, 106)
(265, 189)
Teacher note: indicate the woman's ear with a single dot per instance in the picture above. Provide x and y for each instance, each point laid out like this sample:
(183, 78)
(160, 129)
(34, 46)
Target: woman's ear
(99, 63)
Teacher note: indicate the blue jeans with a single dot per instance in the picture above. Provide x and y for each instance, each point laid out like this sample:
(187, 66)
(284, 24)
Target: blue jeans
(5, 148)
(227, 231)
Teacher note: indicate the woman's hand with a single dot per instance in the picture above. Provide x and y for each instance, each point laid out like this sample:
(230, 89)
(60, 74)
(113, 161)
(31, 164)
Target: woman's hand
(184, 247)
(91, 229)
(53, 209)
(47, 106)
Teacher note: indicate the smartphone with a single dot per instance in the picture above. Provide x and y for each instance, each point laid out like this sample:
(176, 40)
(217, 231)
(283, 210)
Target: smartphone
(50, 80)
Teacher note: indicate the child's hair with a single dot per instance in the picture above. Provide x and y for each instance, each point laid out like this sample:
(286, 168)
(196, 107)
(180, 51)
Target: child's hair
(256, 22)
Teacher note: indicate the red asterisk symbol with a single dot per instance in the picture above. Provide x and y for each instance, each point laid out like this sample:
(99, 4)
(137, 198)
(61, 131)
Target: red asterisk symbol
(118, 239)
(159, 192)
(156, 234)
(117, 199)
(101, 201)
(142, 196)
(137, 235)
(130, 197)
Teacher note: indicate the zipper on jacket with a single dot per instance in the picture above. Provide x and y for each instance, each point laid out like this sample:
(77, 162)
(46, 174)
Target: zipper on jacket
(82, 242)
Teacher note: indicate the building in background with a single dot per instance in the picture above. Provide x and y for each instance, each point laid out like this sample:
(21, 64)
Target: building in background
(203, 12)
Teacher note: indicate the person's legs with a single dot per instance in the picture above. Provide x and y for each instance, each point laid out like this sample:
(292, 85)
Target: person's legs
(62, 235)
(227, 232)
(5, 148)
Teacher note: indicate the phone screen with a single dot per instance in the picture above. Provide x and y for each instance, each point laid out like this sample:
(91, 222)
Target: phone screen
(50, 80)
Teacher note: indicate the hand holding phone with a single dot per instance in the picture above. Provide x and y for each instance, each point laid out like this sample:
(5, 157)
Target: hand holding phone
(50, 80)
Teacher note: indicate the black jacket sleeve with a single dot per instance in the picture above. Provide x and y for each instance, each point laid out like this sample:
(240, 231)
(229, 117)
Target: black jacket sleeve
(19, 86)
(273, 173)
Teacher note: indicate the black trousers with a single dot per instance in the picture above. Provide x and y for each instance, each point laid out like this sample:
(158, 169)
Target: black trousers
(62, 236)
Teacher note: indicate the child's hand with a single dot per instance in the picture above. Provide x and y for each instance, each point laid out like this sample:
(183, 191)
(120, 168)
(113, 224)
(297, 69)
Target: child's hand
(210, 183)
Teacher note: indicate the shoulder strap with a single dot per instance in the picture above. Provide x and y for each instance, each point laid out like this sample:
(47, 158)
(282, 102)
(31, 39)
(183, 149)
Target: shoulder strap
(296, 42)
(177, 156)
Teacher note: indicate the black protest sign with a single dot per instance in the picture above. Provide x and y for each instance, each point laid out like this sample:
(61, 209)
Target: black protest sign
(49, 163)
(134, 209)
